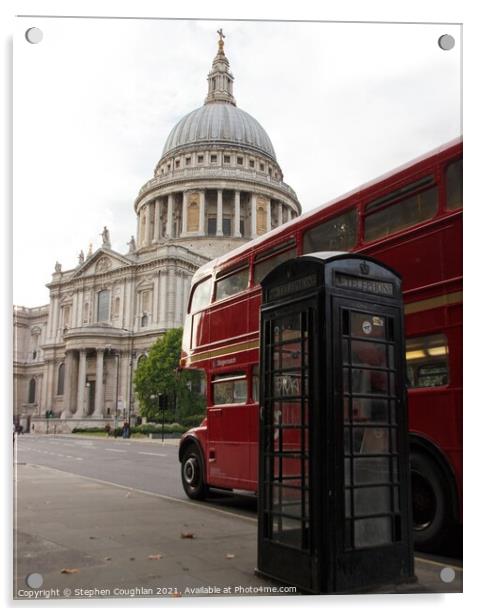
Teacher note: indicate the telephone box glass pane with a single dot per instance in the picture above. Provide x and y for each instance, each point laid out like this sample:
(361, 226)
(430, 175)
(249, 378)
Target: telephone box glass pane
(372, 531)
(371, 470)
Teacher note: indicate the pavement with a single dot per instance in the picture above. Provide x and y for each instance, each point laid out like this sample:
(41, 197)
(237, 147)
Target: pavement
(78, 538)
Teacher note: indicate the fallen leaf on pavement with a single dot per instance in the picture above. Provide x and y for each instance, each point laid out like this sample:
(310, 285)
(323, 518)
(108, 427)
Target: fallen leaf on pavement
(187, 535)
(155, 557)
(69, 571)
(229, 556)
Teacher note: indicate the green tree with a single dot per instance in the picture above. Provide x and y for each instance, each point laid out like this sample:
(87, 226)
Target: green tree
(182, 393)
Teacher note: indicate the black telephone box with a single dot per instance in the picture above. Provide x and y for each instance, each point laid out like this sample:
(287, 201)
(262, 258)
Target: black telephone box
(334, 511)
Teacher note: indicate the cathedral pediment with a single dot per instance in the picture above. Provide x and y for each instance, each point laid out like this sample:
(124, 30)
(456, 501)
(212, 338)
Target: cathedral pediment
(102, 261)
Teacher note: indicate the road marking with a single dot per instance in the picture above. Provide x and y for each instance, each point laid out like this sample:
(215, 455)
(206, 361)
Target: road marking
(148, 453)
(438, 563)
(116, 450)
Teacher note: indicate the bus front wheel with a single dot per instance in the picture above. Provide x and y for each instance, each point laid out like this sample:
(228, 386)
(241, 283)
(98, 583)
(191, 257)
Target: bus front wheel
(430, 502)
(192, 474)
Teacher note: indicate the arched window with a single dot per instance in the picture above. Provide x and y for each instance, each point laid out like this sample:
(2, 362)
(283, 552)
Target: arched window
(103, 305)
(144, 320)
(32, 386)
(60, 380)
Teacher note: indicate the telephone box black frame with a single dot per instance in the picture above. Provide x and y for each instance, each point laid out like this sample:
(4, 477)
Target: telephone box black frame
(334, 510)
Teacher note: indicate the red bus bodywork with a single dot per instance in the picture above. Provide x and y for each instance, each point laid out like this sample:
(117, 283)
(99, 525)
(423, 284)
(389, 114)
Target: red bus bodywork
(222, 337)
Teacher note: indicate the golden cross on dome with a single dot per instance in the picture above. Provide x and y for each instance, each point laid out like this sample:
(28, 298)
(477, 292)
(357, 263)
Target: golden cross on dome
(221, 37)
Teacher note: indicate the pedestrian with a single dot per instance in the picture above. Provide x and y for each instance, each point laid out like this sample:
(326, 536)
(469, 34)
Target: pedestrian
(125, 430)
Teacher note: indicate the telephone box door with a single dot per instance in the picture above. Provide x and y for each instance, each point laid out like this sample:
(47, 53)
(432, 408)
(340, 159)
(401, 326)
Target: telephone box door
(285, 535)
(369, 394)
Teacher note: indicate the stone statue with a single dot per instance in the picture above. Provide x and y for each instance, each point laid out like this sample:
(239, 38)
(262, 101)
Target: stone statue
(58, 267)
(81, 257)
(132, 245)
(89, 253)
(105, 238)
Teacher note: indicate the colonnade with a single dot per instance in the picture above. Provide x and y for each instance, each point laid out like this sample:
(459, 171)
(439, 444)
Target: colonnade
(77, 382)
(186, 213)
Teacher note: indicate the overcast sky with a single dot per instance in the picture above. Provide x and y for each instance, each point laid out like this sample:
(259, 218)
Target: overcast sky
(95, 100)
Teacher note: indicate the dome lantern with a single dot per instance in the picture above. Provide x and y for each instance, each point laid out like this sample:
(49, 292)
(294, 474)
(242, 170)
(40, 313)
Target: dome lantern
(220, 79)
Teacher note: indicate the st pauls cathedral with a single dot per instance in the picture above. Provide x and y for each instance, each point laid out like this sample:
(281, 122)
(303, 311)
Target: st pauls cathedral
(217, 185)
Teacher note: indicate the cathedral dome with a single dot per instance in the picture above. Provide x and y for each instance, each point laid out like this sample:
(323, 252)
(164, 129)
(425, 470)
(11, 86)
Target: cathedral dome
(221, 123)
(218, 182)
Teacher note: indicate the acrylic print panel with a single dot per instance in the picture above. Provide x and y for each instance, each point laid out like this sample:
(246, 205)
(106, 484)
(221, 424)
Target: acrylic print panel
(142, 149)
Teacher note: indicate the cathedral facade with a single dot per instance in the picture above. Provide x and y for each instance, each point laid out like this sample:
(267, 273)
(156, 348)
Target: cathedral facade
(216, 186)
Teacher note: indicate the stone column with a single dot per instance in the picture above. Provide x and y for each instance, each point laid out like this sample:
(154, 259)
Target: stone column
(42, 407)
(124, 376)
(184, 214)
(139, 226)
(155, 300)
(237, 213)
(280, 213)
(55, 308)
(73, 314)
(171, 297)
(268, 216)
(81, 383)
(157, 220)
(67, 385)
(148, 223)
(99, 385)
(290, 214)
(219, 215)
(178, 310)
(170, 215)
(50, 384)
(162, 300)
(253, 216)
(202, 211)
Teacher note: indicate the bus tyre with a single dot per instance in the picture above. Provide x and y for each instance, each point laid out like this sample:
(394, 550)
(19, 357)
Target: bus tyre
(430, 502)
(192, 474)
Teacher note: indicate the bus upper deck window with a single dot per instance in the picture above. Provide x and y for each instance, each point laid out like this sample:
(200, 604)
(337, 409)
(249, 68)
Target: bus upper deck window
(230, 388)
(384, 217)
(453, 185)
(339, 233)
(264, 266)
(427, 361)
(201, 295)
(232, 284)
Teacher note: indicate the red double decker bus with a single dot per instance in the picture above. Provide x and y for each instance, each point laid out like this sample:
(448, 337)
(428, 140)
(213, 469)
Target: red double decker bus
(411, 220)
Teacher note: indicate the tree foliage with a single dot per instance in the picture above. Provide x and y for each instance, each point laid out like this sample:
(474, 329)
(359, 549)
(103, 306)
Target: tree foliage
(181, 392)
